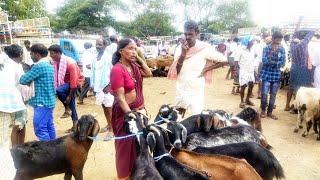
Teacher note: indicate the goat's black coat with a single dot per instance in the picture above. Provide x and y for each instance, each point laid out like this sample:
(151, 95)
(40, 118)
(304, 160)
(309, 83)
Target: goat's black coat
(261, 159)
(66, 154)
(34, 156)
(226, 135)
(169, 168)
(144, 167)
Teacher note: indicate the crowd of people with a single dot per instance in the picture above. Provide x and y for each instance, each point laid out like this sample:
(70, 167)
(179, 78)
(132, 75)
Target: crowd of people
(37, 75)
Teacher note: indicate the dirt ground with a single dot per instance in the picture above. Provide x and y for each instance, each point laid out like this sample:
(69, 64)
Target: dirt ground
(298, 156)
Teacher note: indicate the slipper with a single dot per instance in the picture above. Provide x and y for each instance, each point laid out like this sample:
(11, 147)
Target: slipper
(71, 130)
(272, 116)
(249, 103)
(65, 115)
(80, 102)
(287, 109)
(242, 105)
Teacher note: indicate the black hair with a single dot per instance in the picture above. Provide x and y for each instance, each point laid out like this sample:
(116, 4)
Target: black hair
(55, 48)
(236, 39)
(122, 44)
(40, 49)
(87, 45)
(113, 38)
(191, 25)
(14, 51)
(277, 35)
(26, 42)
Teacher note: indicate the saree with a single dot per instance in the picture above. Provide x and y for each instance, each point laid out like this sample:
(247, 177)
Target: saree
(125, 148)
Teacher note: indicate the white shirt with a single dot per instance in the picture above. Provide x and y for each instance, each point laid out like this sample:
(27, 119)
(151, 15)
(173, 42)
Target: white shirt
(257, 50)
(86, 59)
(112, 48)
(10, 96)
(27, 57)
(314, 54)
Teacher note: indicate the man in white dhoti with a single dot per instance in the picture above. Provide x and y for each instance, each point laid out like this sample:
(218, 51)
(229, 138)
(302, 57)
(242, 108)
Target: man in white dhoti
(192, 67)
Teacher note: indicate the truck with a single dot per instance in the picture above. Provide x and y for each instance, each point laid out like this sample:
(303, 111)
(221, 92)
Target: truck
(74, 48)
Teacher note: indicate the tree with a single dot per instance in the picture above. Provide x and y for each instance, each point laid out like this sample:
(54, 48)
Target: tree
(23, 9)
(232, 16)
(86, 15)
(149, 24)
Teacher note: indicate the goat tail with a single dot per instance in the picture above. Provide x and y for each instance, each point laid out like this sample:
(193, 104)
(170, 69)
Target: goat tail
(275, 165)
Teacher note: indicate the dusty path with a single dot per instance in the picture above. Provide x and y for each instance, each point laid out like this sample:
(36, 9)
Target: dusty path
(299, 156)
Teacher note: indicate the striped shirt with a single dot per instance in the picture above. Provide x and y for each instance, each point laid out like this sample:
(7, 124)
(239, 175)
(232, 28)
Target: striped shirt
(299, 51)
(271, 71)
(42, 74)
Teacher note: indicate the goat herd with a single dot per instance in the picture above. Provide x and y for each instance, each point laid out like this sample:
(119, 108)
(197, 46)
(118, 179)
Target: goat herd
(209, 145)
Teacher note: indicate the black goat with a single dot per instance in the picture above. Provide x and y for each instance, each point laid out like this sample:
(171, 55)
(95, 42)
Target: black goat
(66, 154)
(261, 159)
(168, 167)
(227, 135)
(144, 167)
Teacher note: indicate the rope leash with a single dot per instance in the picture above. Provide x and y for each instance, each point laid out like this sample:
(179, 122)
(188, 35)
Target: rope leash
(97, 138)
(158, 158)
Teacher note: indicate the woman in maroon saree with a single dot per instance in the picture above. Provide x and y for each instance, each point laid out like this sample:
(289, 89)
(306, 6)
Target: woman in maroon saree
(126, 85)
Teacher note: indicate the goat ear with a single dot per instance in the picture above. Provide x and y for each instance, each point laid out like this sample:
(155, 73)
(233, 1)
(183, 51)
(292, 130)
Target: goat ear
(198, 121)
(77, 128)
(151, 140)
(95, 129)
(183, 133)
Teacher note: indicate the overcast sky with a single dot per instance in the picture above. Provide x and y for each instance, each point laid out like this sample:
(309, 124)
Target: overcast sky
(264, 12)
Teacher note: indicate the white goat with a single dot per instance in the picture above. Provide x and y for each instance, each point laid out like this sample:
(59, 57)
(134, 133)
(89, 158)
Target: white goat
(308, 104)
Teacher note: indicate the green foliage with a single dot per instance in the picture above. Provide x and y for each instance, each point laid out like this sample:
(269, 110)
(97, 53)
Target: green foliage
(23, 9)
(148, 24)
(86, 15)
(230, 16)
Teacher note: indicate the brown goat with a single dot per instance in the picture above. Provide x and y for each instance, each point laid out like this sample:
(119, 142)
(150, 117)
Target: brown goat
(218, 167)
(66, 154)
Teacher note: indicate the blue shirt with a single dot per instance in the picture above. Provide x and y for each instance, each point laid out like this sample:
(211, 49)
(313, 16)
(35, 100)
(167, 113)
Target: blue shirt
(42, 74)
(299, 51)
(271, 63)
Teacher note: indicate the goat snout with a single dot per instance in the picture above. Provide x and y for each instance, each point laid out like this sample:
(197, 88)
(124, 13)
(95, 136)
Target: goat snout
(177, 144)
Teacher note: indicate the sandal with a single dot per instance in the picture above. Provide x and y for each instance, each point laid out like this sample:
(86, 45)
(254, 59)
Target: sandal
(272, 116)
(105, 129)
(250, 103)
(65, 115)
(71, 130)
(263, 114)
(242, 105)
(287, 109)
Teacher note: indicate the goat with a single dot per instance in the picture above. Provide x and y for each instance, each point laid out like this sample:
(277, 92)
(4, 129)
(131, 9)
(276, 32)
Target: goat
(170, 113)
(251, 116)
(261, 159)
(226, 135)
(66, 154)
(220, 167)
(168, 167)
(144, 167)
(308, 104)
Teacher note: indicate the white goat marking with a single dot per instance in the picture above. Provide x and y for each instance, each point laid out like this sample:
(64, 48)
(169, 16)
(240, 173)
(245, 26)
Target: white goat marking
(165, 109)
(205, 112)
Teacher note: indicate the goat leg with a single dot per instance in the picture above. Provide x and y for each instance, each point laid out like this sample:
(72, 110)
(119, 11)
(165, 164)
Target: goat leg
(318, 138)
(78, 175)
(306, 133)
(67, 175)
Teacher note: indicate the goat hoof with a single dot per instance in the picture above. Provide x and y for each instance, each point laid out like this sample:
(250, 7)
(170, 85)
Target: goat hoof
(296, 130)
(300, 127)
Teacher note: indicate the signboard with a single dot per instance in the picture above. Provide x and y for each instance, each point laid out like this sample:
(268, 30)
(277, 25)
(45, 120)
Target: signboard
(32, 27)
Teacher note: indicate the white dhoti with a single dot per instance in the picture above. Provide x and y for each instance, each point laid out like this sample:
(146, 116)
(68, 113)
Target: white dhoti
(245, 77)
